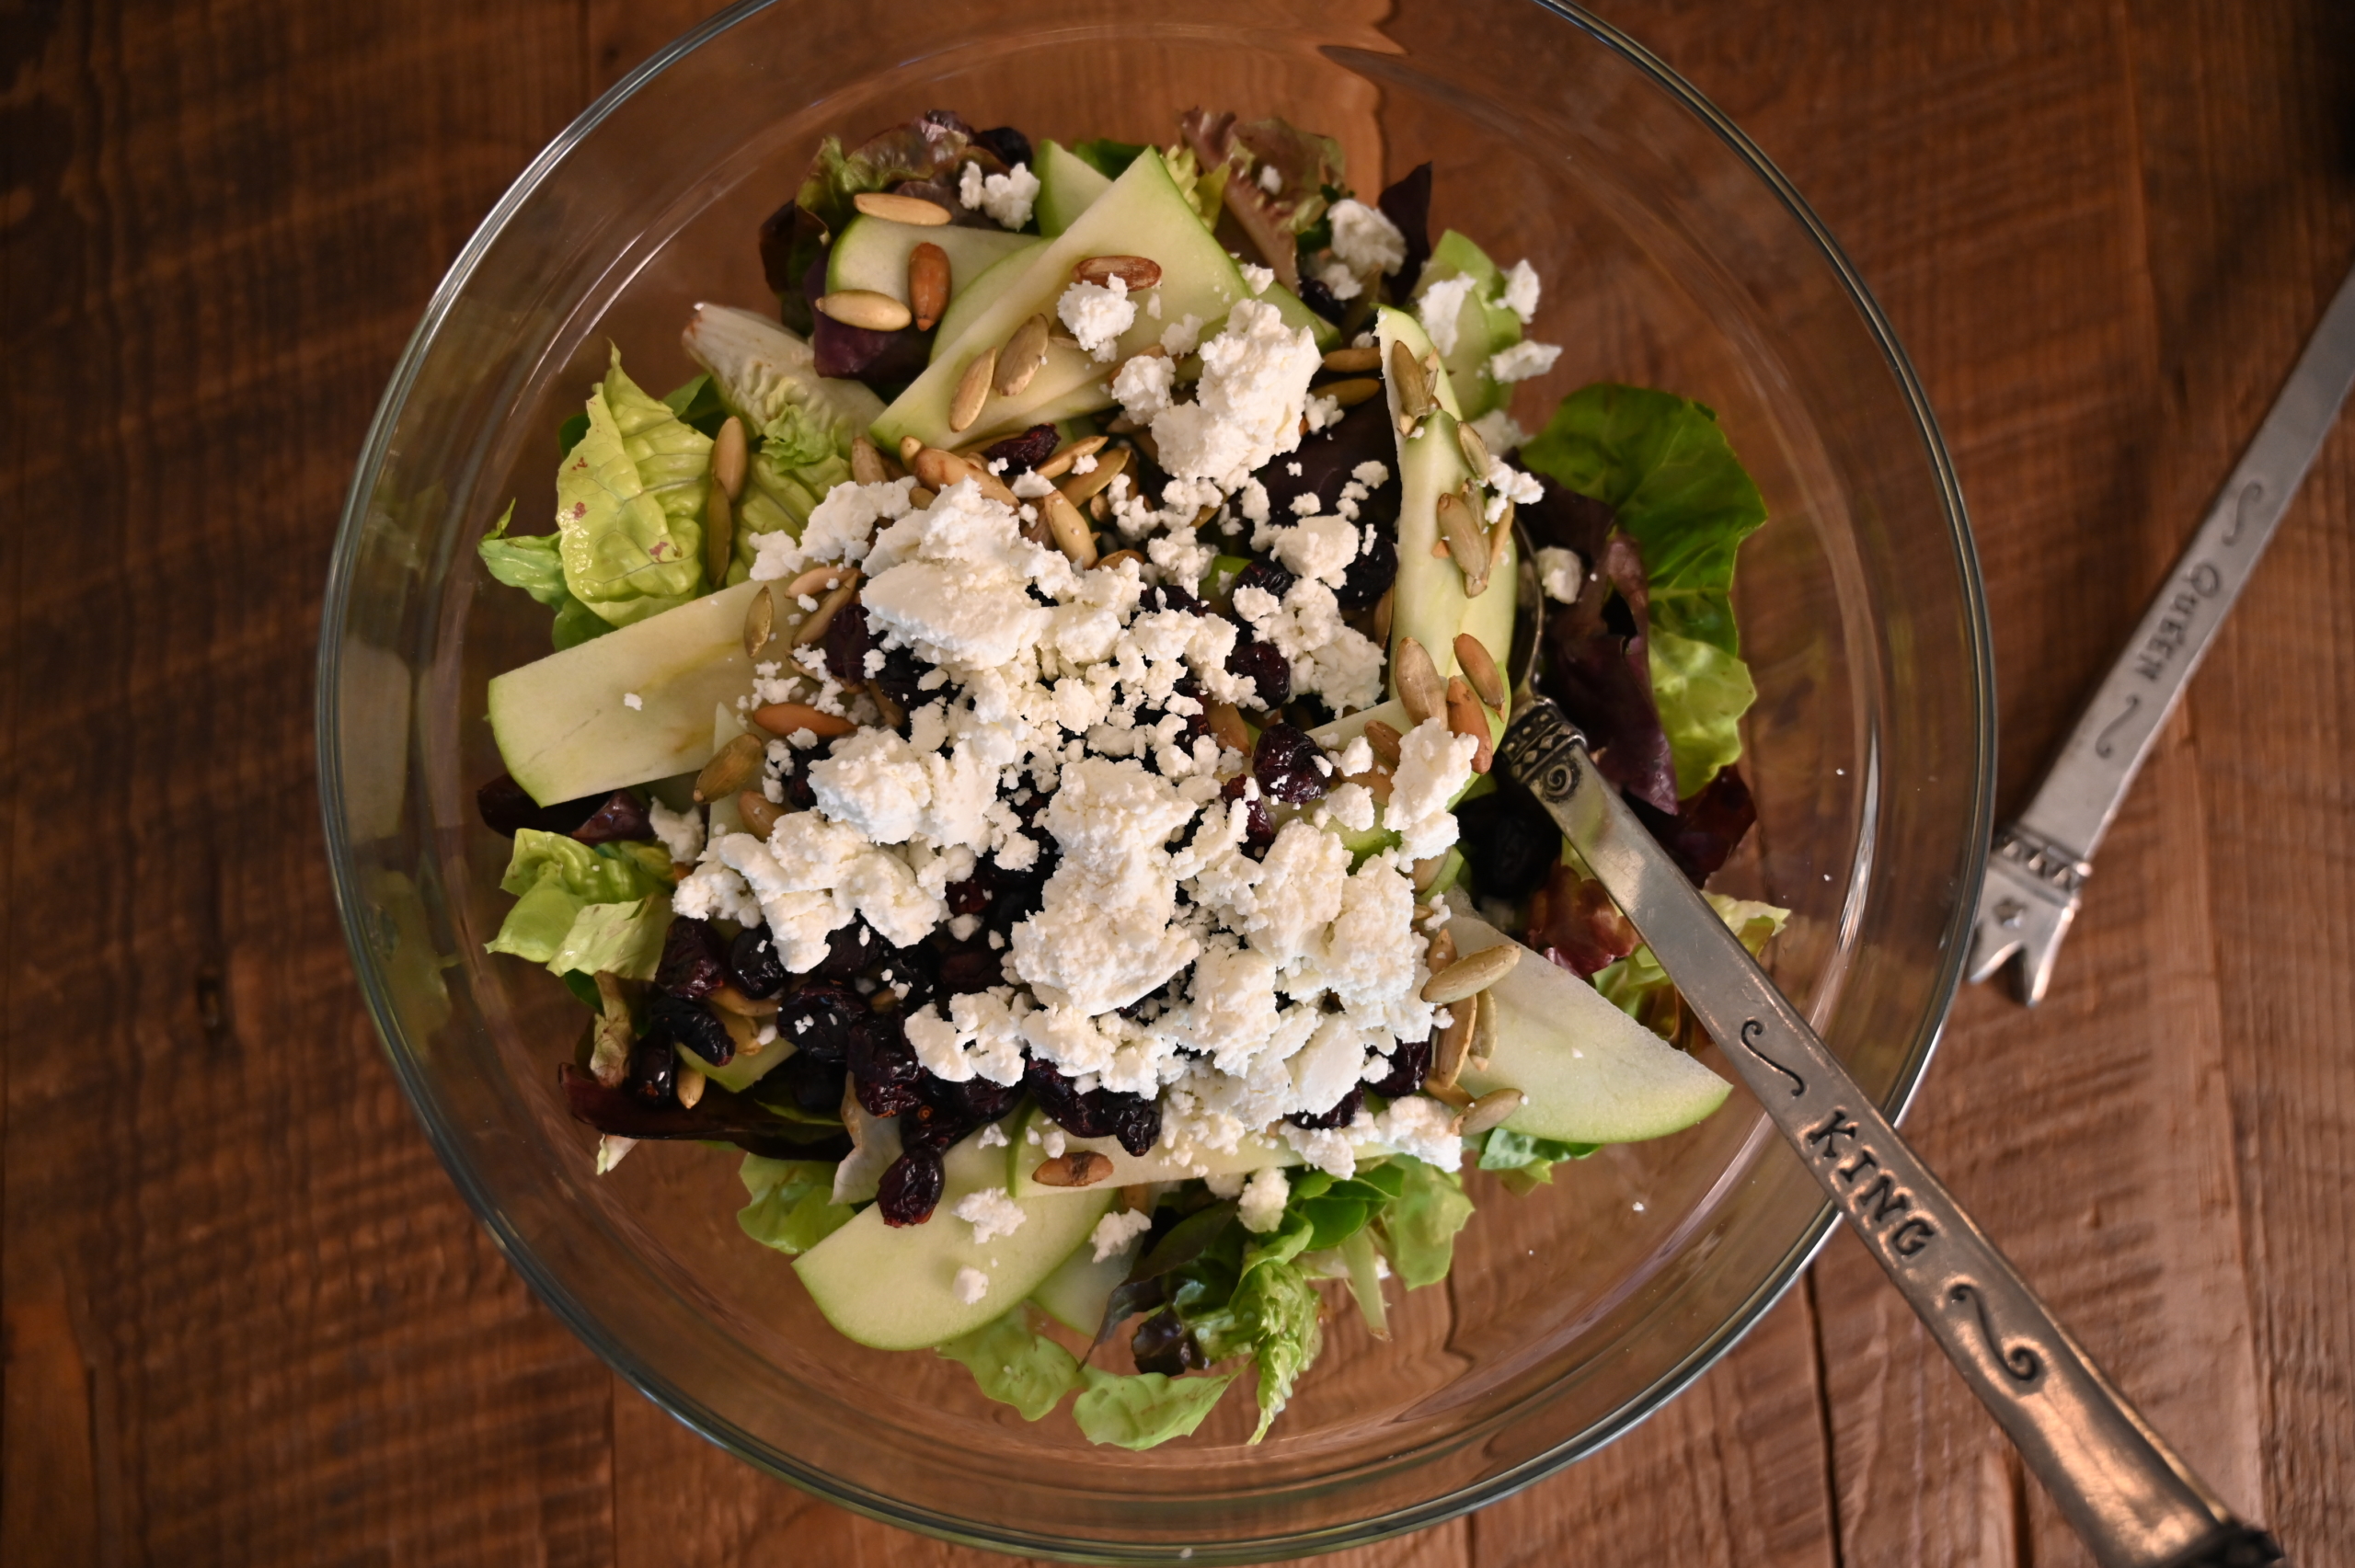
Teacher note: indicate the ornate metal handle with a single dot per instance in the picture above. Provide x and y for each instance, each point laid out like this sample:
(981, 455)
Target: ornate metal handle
(2039, 864)
(2135, 1504)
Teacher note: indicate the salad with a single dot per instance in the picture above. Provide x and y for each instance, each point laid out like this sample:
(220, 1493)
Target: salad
(1015, 765)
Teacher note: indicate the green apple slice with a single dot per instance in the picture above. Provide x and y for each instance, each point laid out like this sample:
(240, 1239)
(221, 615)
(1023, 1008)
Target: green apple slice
(873, 254)
(1252, 1153)
(1076, 1293)
(895, 1287)
(1067, 187)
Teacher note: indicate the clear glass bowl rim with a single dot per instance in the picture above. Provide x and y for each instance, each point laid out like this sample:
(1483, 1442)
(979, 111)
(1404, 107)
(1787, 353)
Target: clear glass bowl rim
(895, 1511)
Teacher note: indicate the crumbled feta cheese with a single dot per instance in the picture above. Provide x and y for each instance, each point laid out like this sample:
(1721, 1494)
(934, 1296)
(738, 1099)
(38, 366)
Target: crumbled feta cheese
(1356, 758)
(681, 831)
(991, 1212)
(1507, 483)
(1271, 179)
(1084, 464)
(1523, 361)
(1097, 314)
(1183, 335)
(992, 1137)
(1262, 1208)
(1433, 764)
(1499, 429)
(1006, 197)
(1560, 573)
(1256, 278)
(1339, 281)
(1144, 387)
(1352, 806)
(840, 526)
(1319, 548)
(1247, 405)
(1420, 1126)
(1519, 292)
(971, 1283)
(1365, 238)
(633, 702)
(1116, 1230)
(1028, 486)
(1440, 310)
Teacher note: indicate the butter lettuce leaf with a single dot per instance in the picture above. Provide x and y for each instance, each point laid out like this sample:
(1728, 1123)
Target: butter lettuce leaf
(1702, 692)
(585, 907)
(630, 504)
(1418, 1229)
(533, 563)
(1014, 1366)
(1144, 1410)
(792, 1206)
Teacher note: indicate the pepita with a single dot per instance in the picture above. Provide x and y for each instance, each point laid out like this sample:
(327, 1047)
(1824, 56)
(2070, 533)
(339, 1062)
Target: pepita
(1136, 271)
(1070, 453)
(1480, 667)
(782, 719)
(718, 533)
(1466, 717)
(866, 461)
(1465, 541)
(818, 580)
(1446, 1094)
(1439, 951)
(1489, 1110)
(730, 454)
(1073, 536)
(1020, 359)
(927, 283)
(689, 1087)
(728, 999)
(865, 308)
(760, 622)
(1383, 609)
(1351, 361)
(1377, 781)
(812, 629)
(1110, 463)
(1425, 872)
(760, 813)
(1117, 556)
(1452, 1045)
(1079, 1168)
(1406, 377)
(909, 447)
(1476, 452)
(920, 498)
(1227, 726)
(901, 209)
(973, 390)
(1349, 394)
(1385, 740)
(1474, 972)
(894, 715)
(1419, 687)
(1484, 1032)
(732, 767)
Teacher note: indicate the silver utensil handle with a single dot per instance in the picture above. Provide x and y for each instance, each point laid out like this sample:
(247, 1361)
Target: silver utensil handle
(2135, 1502)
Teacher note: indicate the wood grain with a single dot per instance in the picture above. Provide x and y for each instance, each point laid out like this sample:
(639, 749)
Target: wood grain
(246, 1317)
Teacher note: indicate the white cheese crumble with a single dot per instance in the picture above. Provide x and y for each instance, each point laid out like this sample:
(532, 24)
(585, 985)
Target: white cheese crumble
(1271, 179)
(1097, 314)
(1433, 764)
(1440, 310)
(1339, 281)
(1247, 407)
(971, 1284)
(1117, 1229)
(1519, 292)
(991, 1212)
(681, 831)
(1262, 1206)
(1523, 361)
(1366, 239)
(633, 702)
(1507, 483)
(1145, 386)
(1006, 197)
(1256, 278)
(1183, 335)
(1560, 573)
(1500, 430)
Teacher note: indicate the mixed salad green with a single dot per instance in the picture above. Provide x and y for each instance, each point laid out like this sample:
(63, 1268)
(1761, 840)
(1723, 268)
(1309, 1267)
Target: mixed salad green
(1015, 762)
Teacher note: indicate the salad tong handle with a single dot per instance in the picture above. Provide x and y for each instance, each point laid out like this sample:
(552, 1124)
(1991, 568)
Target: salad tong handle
(2039, 865)
(2127, 1495)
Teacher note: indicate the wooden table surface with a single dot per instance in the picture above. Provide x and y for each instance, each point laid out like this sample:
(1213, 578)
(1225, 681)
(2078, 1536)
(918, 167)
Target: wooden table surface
(250, 1321)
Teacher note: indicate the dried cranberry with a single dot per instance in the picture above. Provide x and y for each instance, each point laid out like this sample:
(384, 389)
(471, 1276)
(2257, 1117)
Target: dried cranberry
(806, 1083)
(1260, 824)
(1285, 765)
(1009, 144)
(882, 1065)
(693, 1027)
(1509, 844)
(620, 818)
(1023, 453)
(817, 1020)
(971, 966)
(972, 896)
(852, 950)
(795, 786)
(1100, 1113)
(911, 1189)
(506, 809)
(1318, 297)
(1343, 1111)
(694, 962)
(1369, 575)
(1136, 1122)
(753, 967)
(1269, 671)
(1169, 596)
(1410, 1063)
(931, 1128)
(976, 1097)
(1408, 204)
(1265, 575)
(913, 974)
(653, 1071)
(848, 637)
(1164, 1344)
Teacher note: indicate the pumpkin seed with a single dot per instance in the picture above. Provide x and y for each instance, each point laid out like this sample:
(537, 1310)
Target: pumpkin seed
(866, 461)
(1110, 463)
(811, 630)
(718, 533)
(730, 457)
(1377, 781)
(865, 308)
(901, 209)
(1349, 394)
(731, 768)
(1439, 951)
(909, 447)
(1474, 972)
(1349, 362)
(1079, 1168)
(782, 719)
(1476, 452)
(1480, 667)
(1425, 872)
(689, 1087)
(1466, 717)
(1383, 609)
(1117, 556)
(1058, 465)
(1073, 536)
(1465, 541)
(927, 283)
(1484, 1032)
(973, 390)
(1136, 271)
(1501, 538)
(760, 622)
(1020, 359)
(920, 498)
(727, 997)
(1385, 740)
(760, 813)
(1490, 1110)
(1227, 726)
(1419, 687)
(1414, 388)
(818, 580)
(894, 715)
(1454, 1044)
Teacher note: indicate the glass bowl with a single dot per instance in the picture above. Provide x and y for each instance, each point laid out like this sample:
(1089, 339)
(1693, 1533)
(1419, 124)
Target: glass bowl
(1672, 254)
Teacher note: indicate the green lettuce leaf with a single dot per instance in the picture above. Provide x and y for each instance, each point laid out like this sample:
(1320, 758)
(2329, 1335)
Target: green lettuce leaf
(630, 502)
(792, 1208)
(558, 881)
(1013, 1366)
(698, 404)
(1145, 1409)
(1418, 1229)
(1281, 1306)
(534, 562)
(1702, 692)
(1111, 159)
(1664, 466)
(1632, 983)
(1526, 1162)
